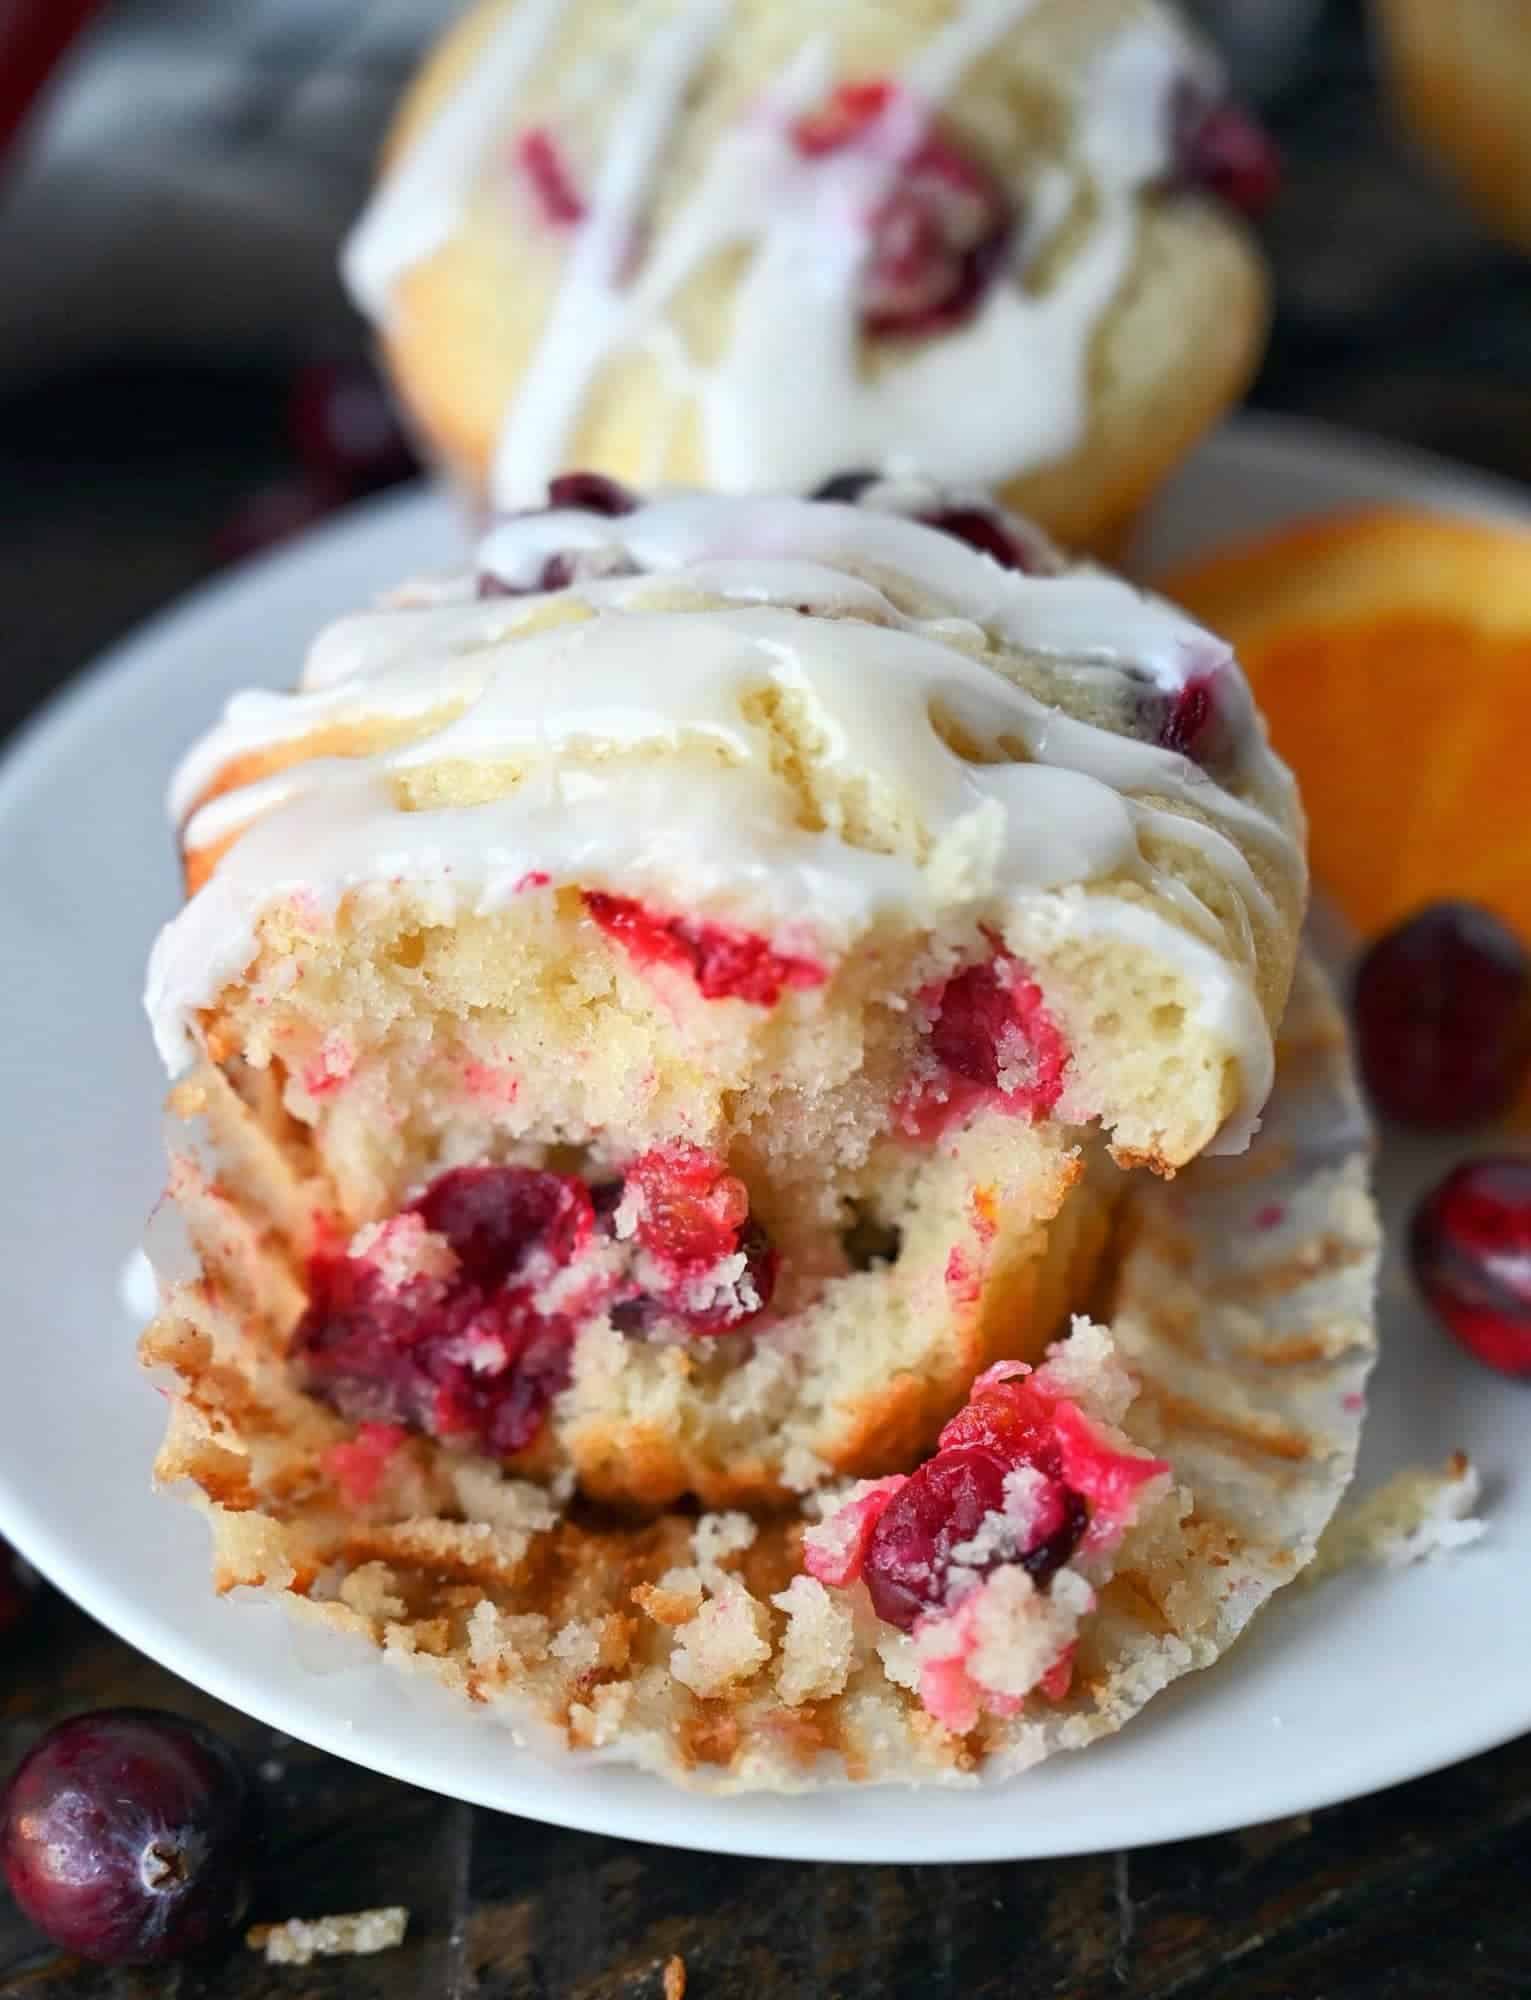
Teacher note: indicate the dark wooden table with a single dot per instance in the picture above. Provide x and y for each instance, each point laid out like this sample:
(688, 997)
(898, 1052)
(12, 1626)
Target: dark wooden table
(1395, 317)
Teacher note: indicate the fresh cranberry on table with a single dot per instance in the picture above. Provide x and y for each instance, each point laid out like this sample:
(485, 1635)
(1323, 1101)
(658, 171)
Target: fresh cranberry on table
(1443, 1018)
(1470, 1246)
(939, 235)
(126, 1836)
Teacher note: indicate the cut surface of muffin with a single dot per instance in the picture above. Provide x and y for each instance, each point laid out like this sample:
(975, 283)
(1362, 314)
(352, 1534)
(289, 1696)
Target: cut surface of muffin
(676, 988)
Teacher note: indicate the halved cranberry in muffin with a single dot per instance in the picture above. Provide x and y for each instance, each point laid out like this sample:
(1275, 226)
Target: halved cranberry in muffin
(1021, 1478)
(458, 1316)
(726, 963)
(991, 1040)
(937, 237)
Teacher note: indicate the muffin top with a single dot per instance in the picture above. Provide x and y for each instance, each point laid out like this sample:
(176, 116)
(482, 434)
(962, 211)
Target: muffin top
(810, 717)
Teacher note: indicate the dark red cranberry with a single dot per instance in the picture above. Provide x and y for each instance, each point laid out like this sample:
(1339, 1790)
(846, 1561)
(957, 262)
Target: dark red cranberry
(344, 430)
(1046, 1556)
(846, 487)
(15, 1596)
(1443, 1017)
(990, 534)
(1011, 1421)
(694, 1216)
(1186, 723)
(561, 569)
(991, 1028)
(726, 964)
(942, 1505)
(1221, 148)
(591, 493)
(467, 1357)
(125, 1835)
(495, 1218)
(540, 159)
(1470, 1246)
(938, 236)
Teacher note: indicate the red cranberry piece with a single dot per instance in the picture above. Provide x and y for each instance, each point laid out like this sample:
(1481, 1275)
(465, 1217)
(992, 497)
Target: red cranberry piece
(344, 430)
(992, 1028)
(591, 493)
(1187, 721)
(1010, 1420)
(1443, 1017)
(125, 1836)
(469, 1356)
(1470, 1246)
(727, 964)
(543, 163)
(990, 535)
(937, 237)
(495, 1218)
(942, 1505)
(694, 1216)
(1221, 148)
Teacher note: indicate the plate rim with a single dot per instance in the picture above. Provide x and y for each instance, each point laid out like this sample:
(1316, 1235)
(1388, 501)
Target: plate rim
(735, 1826)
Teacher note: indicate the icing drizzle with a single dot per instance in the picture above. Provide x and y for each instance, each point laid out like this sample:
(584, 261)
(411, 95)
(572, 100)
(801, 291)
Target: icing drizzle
(789, 399)
(871, 623)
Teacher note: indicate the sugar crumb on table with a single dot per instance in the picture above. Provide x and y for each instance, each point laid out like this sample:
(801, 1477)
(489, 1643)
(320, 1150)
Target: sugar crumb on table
(300, 1940)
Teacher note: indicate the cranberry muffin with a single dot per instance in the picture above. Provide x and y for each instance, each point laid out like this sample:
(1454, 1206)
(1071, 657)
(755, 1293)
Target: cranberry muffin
(685, 992)
(734, 246)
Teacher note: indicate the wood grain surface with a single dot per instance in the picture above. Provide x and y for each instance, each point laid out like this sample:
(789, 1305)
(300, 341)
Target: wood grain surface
(1395, 316)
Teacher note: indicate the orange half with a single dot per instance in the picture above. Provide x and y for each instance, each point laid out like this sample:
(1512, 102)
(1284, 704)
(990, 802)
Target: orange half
(1391, 652)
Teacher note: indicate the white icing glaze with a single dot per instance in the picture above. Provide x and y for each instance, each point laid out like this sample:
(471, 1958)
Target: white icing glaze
(789, 401)
(419, 204)
(866, 620)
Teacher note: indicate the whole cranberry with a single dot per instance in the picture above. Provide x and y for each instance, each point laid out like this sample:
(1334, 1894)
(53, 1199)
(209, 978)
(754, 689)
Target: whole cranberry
(1470, 1246)
(1442, 1012)
(125, 1834)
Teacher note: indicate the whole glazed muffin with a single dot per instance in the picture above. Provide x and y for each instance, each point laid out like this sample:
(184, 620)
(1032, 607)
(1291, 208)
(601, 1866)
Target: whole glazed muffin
(670, 991)
(1461, 73)
(733, 244)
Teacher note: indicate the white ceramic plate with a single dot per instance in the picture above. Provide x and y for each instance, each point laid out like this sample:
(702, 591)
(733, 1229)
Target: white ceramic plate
(1367, 1680)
